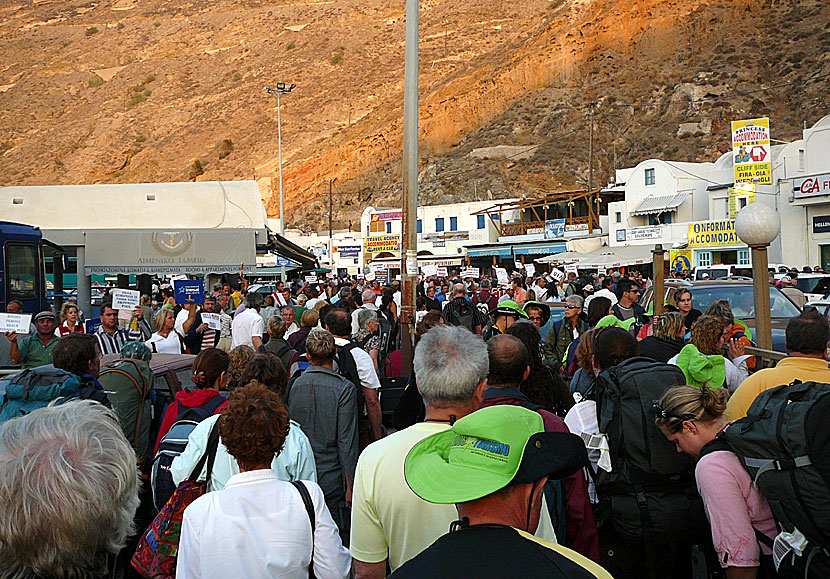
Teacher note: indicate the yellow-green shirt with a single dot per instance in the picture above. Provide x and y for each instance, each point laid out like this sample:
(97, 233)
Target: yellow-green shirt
(787, 370)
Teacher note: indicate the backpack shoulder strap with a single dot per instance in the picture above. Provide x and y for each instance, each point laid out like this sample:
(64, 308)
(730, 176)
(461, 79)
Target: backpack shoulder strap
(214, 403)
(309, 508)
(209, 456)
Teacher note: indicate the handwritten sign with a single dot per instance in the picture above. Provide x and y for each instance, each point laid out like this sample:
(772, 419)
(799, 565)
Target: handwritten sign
(18, 323)
(571, 268)
(557, 274)
(429, 270)
(501, 276)
(442, 272)
(213, 321)
(125, 299)
(470, 272)
(530, 269)
(189, 291)
(311, 278)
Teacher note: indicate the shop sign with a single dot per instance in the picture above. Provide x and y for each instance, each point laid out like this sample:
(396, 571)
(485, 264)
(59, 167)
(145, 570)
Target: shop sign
(446, 236)
(811, 186)
(821, 224)
(573, 227)
(645, 233)
(386, 216)
(554, 228)
(713, 234)
(751, 157)
(681, 260)
(620, 235)
(349, 250)
(381, 243)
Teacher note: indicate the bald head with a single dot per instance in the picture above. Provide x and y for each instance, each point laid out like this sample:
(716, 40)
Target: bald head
(508, 361)
(459, 290)
(368, 296)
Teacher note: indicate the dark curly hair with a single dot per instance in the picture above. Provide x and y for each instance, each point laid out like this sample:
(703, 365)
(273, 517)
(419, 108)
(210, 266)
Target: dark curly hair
(268, 370)
(706, 334)
(543, 385)
(239, 358)
(254, 425)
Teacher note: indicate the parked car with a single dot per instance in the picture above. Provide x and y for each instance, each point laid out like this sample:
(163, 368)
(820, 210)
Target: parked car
(814, 285)
(740, 296)
(171, 372)
(721, 271)
(823, 306)
(263, 288)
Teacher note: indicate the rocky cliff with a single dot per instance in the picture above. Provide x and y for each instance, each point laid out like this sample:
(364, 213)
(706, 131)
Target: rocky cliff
(147, 90)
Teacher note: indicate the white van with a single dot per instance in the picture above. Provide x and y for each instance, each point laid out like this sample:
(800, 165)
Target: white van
(721, 271)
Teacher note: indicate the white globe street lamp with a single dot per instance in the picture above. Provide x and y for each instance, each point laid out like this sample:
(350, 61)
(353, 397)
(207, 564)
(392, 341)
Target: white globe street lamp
(758, 225)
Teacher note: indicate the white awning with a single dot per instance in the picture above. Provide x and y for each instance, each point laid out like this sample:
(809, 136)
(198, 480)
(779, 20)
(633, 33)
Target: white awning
(165, 252)
(605, 257)
(661, 204)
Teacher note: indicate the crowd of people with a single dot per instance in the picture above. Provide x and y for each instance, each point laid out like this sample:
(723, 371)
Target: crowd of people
(596, 443)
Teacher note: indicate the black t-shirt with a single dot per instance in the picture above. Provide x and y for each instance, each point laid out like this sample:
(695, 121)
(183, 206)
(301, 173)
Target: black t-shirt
(494, 551)
(691, 318)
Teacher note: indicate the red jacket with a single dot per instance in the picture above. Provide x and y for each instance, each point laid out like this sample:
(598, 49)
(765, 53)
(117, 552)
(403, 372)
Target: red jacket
(582, 528)
(190, 399)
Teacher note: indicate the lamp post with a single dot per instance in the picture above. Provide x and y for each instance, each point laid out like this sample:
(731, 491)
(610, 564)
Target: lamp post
(758, 225)
(281, 89)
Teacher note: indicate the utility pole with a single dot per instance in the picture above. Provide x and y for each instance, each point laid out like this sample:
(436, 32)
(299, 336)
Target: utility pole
(331, 208)
(409, 240)
(282, 88)
(591, 151)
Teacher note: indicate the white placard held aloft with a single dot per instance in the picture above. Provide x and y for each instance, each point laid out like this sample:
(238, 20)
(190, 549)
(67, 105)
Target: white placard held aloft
(17, 323)
(212, 320)
(571, 268)
(442, 272)
(472, 272)
(557, 274)
(429, 270)
(125, 299)
(530, 269)
(501, 275)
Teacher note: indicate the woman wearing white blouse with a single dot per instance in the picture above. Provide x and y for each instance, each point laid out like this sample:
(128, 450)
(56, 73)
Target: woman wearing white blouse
(165, 340)
(258, 525)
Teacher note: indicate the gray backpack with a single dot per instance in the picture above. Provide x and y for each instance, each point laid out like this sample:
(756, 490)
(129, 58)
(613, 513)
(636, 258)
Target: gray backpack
(784, 444)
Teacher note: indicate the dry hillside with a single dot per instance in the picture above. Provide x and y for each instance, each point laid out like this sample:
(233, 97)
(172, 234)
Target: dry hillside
(151, 90)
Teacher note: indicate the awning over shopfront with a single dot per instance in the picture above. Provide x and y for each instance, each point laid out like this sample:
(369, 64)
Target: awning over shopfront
(543, 249)
(289, 250)
(165, 252)
(605, 257)
(503, 251)
(652, 205)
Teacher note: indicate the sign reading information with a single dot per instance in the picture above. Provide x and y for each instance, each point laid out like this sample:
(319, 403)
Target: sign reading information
(751, 151)
(713, 234)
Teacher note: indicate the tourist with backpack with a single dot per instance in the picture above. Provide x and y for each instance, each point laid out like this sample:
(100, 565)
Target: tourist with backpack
(691, 418)
(74, 375)
(368, 336)
(461, 312)
(294, 462)
(564, 332)
(807, 341)
(277, 344)
(650, 515)
(356, 365)
(258, 525)
(191, 406)
(484, 299)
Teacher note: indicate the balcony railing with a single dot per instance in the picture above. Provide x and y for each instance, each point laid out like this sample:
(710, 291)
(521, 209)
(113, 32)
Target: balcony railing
(510, 229)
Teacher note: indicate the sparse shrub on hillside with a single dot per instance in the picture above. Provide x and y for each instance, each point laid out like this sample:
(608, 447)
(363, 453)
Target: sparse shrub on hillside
(196, 169)
(91, 30)
(135, 99)
(139, 138)
(290, 46)
(149, 79)
(120, 26)
(95, 81)
(336, 58)
(225, 148)
(156, 23)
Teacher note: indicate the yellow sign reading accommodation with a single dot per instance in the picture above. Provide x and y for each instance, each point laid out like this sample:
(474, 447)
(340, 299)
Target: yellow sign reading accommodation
(381, 244)
(713, 234)
(751, 155)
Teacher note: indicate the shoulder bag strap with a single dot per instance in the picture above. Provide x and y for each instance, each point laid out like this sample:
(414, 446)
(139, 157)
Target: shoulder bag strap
(209, 456)
(309, 507)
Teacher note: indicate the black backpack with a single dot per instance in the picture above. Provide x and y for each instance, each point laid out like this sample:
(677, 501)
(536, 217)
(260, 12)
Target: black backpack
(650, 494)
(784, 444)
(173, 444)
(463, 316)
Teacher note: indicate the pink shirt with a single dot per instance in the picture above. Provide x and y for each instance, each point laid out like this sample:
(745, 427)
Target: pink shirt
(733, 507)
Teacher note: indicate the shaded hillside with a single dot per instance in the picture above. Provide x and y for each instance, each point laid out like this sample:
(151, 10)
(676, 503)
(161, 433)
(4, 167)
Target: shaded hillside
(145, 90)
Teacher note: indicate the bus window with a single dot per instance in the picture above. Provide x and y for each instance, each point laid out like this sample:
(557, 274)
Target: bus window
(22, 271)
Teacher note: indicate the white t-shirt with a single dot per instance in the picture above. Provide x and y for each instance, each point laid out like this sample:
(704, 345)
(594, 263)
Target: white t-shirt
(258, 527)
(246, 325)
(169, 345)
(388, 519)
(365, 366)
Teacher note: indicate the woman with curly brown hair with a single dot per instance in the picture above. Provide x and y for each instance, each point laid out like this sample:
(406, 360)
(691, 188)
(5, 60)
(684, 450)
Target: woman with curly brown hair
(702, 359)
(258, 525)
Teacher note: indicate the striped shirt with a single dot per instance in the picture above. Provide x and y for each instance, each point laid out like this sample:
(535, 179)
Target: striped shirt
(112, 343)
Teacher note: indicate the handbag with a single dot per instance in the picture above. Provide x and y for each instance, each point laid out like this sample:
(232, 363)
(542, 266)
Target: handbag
(157, 551)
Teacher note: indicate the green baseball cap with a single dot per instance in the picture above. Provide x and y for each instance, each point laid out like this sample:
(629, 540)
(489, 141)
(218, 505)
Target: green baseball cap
(488, 450)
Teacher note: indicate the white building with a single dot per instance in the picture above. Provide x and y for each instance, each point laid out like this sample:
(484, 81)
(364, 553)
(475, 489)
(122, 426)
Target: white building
(444, 231)
(346, 248)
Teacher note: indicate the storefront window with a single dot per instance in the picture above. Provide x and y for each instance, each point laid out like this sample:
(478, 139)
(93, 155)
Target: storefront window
(743, 257)
(704, 258)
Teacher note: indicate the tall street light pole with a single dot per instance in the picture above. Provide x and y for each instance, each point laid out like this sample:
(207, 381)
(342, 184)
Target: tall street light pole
(281, 89)
(409, 240)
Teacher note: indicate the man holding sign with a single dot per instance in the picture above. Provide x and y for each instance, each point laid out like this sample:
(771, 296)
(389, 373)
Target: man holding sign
(35, 350)
(111, 338)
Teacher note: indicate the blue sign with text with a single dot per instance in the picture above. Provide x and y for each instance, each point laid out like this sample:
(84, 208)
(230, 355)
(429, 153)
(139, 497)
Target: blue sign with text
(189, 291)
